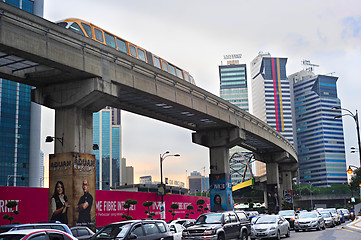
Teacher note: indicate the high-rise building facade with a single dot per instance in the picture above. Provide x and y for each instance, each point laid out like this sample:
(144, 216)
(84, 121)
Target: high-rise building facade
(233, 88)
(107, 135)
(271, 99)
(20, 148)
(319, 137)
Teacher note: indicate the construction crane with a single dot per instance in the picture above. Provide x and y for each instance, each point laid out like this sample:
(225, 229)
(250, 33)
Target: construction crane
(310, 65)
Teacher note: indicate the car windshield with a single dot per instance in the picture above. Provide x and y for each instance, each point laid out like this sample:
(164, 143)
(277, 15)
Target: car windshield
(266, 220)
(331, 210)
(12, 236)
(286, 213)
(209, 219)
(308, 215)
(325, 215)
(113, 231)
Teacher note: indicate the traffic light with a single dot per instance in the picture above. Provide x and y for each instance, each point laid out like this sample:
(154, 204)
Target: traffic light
(353, 199)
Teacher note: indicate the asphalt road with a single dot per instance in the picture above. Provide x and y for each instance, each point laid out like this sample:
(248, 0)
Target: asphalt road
(337, 232)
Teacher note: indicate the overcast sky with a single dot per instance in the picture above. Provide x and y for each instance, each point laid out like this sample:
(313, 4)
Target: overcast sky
(195, 35)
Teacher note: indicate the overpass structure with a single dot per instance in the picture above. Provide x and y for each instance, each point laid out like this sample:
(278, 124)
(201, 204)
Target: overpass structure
(77, 76)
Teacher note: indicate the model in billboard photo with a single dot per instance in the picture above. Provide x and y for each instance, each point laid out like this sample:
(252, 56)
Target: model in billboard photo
(59, 204)
(85, 204)
(217, 203)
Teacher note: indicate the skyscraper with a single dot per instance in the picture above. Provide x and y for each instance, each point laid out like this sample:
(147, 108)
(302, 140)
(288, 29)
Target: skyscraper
(233, 88)
(271, 99)
(320, 140)
(107, 135)
(20, 147)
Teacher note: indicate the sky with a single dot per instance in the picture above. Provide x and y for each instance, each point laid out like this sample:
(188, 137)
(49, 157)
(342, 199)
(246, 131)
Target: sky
(195, 35)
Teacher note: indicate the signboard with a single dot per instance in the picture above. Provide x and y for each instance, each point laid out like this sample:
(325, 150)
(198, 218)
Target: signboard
(232, 56)
(109, 205)
(72, 189)
(221, 192)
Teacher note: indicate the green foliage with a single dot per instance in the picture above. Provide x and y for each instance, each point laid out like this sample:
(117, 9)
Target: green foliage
(356, 180)
(148, 204)
(200, 202)
(11, 205)
(128, 204)
(173, 206)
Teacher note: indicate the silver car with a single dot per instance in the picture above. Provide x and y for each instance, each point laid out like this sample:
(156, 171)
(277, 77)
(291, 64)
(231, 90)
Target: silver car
(270, 226)
(309, 220)
(329, 220)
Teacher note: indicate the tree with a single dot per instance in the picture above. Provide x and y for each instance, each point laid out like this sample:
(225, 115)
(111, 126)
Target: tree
(356, 180)
(189, 208)
(173, 206)
(201, 208)
(148, 204)
(11, 205)
(128, 204)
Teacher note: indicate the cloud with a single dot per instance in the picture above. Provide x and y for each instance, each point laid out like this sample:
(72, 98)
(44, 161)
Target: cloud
(352, 27)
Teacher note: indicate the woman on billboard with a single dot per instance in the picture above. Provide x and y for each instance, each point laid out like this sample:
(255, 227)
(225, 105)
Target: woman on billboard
(59, 204)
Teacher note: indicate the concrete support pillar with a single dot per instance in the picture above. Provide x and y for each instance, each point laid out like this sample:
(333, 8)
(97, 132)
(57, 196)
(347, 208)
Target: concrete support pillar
(75, 126)
(219, 160)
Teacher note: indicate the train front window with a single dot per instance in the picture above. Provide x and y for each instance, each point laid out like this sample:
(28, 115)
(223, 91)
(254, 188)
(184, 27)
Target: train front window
(109, 40)
(122, 46)
(156, 62)
(62, 24)
(76, 28)
(179, 73)
(165, 66)
(172, 70)
(186, 76)
(87, 29)
(98, 35)
(141, 54)
(133, 51)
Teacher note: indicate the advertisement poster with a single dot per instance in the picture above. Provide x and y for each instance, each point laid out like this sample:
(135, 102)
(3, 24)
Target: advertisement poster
(72, 189)
(109, 205)
(221, 192)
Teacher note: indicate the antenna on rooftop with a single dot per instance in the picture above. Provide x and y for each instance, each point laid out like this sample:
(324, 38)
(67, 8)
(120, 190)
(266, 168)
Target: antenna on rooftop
(308, 65)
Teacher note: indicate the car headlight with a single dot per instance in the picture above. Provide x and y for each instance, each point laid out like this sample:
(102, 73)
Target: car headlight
(184, 233)
(209, 232)
(314, 221)
(272, 228)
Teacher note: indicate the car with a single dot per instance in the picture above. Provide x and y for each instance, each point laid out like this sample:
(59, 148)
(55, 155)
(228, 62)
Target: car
(334, 213)
(5, 228)
(251, 214)
(270, 226)
(309, 220)
(185, 222)
(177, 230)
(329, 220)
(219, 225)
(82, 232)
(290, 216)
(346, 213)
(135, 229)
(57, 225)
(36, 234)
(245, 221)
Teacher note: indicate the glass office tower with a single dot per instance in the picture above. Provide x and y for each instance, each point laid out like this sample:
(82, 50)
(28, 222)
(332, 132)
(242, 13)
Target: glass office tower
(320, 140)
(233, 88)
(107, 136)
(271, 99)
(19, 147)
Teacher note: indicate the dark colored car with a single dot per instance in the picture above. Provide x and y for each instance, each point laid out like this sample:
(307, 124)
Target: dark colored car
(82, 232)
(245, 221)
(135, 229)
(220, 226)
(36, 234)
(289, 215)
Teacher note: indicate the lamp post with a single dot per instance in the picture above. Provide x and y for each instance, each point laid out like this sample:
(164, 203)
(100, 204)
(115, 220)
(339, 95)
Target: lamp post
(355, 117)
(14, 176)
(311, 195)
(162, 185)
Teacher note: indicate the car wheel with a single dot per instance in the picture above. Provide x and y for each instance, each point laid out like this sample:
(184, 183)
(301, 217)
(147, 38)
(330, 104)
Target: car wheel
(288, 234)
(220, 237)
(243, 236)
(297, 230)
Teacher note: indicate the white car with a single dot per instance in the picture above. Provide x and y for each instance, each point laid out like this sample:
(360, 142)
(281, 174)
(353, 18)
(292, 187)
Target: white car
(36, 234)
(177, 230)
(270, 226)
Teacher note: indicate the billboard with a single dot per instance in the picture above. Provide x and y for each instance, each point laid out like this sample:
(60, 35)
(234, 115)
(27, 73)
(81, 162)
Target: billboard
(72, 188)
(221, 192)
(33, 205)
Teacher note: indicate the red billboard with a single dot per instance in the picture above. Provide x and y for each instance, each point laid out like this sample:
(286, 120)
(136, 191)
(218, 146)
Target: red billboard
(33, 205)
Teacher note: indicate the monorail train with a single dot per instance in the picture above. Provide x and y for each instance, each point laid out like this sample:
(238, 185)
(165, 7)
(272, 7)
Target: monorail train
(100, 35)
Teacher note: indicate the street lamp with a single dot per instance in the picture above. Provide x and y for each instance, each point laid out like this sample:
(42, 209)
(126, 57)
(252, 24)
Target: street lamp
(355, 117)
(161, 159)
(14, 176)
(311, 195)
(349, 170)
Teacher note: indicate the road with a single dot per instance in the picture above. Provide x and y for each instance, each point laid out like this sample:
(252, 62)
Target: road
(329, 234)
